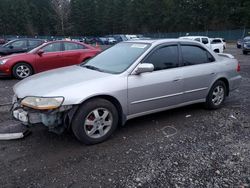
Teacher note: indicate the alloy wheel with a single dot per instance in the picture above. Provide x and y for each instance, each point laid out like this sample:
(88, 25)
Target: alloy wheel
(218, 95)
(98, 123)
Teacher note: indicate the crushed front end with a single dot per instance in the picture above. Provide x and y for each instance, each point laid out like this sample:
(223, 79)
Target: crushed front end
(48, 111)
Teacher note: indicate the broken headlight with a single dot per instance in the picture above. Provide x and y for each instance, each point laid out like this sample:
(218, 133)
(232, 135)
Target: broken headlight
(43, 103)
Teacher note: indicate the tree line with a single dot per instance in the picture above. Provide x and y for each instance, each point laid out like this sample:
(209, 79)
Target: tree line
(101, 17)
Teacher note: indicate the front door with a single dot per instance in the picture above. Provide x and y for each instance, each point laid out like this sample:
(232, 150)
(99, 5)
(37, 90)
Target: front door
(51, 58)
(149, 92)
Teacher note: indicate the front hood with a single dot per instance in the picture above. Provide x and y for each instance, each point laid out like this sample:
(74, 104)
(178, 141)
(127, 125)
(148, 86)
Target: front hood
(57, 82)
(13, 55)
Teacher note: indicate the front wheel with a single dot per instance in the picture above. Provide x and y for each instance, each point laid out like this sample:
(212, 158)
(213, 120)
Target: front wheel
(95, 121)
(22, 70)
(216, 96)
(245, 52)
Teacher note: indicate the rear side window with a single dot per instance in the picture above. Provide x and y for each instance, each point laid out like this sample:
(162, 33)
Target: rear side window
(164, 58)
(204, 40)
(73, 46)
(194, 55)
(216, 41)
(34, 43)
(198, 39)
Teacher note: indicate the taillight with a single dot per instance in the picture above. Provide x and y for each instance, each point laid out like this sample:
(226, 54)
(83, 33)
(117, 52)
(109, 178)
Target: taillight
(238, 67)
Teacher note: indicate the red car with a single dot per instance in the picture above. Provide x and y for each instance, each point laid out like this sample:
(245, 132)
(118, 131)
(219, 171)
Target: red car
(48, 56)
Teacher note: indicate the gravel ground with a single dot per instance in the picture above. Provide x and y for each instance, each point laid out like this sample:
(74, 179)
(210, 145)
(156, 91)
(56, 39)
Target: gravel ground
(185, 147)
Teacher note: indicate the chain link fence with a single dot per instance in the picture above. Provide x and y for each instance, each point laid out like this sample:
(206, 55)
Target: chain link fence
(229, 35)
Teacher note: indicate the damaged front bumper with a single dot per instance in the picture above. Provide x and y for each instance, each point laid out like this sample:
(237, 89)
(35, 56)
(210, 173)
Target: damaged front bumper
(56, 119)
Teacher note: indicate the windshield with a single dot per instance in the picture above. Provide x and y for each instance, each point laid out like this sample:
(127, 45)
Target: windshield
(8, 44)
(35, 49)
(118, 58)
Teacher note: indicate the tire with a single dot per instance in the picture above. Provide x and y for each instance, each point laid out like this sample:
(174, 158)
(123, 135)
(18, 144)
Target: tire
(216, 95)
(245, 52)
(22, 70)
(95, 121)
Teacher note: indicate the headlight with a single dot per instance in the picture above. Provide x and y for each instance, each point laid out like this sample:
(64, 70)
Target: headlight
(2, 62)
(43, 103)
(245, 45)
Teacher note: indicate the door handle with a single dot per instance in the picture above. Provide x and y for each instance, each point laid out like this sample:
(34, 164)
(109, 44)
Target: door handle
(212, 73)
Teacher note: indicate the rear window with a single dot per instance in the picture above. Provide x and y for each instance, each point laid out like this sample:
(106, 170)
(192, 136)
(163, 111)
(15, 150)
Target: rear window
(34, 43)
(216, 41)
(73, 46)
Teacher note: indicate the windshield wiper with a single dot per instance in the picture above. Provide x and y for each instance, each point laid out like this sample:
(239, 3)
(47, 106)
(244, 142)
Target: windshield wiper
(92, 68)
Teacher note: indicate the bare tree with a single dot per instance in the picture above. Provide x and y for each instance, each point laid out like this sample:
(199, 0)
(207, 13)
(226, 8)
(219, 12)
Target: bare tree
(62, 10)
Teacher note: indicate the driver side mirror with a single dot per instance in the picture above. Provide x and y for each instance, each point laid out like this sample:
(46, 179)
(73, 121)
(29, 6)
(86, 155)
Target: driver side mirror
(144, 67)
(40, 52)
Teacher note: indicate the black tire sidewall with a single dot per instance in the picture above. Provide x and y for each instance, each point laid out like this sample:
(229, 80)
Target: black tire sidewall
(84, 110)
(209, 103)
(20, 64)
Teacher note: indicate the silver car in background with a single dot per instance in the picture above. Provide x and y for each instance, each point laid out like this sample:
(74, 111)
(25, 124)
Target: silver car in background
(129, 80)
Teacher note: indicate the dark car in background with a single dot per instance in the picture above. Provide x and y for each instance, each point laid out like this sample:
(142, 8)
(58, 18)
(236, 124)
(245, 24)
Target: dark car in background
(239, 43)
(19, 46)
(246, 45)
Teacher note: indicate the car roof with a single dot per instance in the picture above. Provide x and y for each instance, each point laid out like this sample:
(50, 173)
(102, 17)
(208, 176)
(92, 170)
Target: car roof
(161, 41)
(194, 37)
(27, 39)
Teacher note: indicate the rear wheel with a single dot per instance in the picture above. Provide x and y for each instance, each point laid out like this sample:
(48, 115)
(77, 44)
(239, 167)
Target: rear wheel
(216, 96)
(22, 70)
(95, 121)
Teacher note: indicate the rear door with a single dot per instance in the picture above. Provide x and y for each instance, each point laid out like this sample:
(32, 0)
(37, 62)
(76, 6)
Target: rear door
(51, 58)
(73, 53)
(198, 71)
(149, 92)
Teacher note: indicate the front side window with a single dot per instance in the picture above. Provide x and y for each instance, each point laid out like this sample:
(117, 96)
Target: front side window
(204, 40)
(194, 55)
(164, 58)
(72, 46)
(18, 44)
(54, 47)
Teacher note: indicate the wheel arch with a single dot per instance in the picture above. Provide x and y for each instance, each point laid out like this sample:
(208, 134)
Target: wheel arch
(14, 64)
(223, 79)
(122, 118)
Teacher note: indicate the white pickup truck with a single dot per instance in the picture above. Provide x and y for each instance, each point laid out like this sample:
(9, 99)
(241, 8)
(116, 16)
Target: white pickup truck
(216, 47)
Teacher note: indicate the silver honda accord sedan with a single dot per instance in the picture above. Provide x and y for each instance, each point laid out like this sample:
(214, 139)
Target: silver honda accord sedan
(128, 80)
